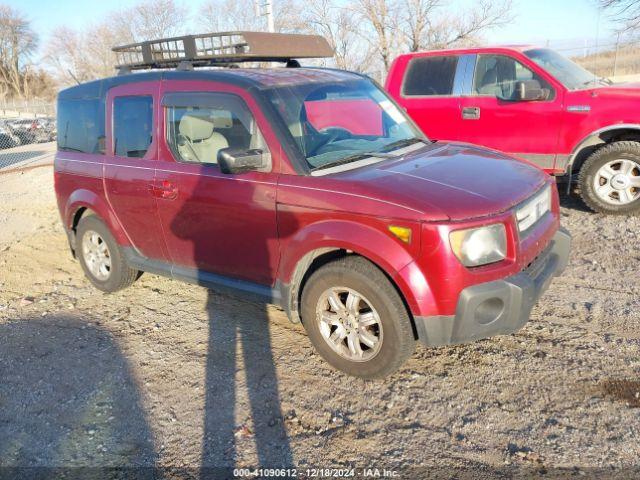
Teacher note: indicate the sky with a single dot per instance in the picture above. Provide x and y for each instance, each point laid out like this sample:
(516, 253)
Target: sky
(561, 23)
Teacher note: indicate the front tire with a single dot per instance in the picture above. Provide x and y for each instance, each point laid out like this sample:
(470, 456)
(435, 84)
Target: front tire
(610, 179)
(101, 257)
(356, 319)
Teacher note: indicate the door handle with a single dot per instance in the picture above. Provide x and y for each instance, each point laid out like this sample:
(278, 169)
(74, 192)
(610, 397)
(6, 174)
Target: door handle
(165, 189)
(471, 113)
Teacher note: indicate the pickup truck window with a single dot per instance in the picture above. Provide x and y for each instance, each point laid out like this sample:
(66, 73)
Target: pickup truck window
(570, 74)
(320, 118)
(497, 75)
(199, 125)
(132, 125)
(430, 76)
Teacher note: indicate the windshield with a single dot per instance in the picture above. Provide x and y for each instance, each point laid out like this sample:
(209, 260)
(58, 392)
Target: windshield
(339, 123)
(569, 73)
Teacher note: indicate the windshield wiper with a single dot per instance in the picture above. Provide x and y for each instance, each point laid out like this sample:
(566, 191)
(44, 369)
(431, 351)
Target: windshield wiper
(356, 156)
(401, 143)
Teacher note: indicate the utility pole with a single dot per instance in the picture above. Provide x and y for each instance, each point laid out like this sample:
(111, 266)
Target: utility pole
(264, 8)
(615, 58)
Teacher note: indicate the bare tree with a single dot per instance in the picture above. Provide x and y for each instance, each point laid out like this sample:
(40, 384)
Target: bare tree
(230, 15)
(83, 55)
(17, 42)
(382, 18)
(151, 19)
(341, 28)
(394, 26)
(627, 12)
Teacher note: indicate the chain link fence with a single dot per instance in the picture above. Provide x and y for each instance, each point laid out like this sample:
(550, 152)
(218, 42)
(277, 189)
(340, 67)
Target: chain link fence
(27, 130)
(616, 58)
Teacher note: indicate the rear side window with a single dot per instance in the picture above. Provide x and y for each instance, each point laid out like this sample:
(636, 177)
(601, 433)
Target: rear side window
(430, 76)
(81, 126)
(132, 125)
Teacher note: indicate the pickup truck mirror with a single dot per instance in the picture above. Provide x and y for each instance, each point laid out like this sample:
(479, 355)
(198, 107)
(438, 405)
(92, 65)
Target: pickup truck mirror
(238, 160)
(530, 90)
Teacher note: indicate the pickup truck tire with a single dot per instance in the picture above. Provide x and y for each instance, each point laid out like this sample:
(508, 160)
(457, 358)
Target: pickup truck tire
(609, 179)
(356, 319)
(101, 257)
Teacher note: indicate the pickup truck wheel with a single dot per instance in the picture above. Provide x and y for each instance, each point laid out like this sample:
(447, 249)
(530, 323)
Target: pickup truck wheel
(101, 257)
(355, 318)
(610, 179)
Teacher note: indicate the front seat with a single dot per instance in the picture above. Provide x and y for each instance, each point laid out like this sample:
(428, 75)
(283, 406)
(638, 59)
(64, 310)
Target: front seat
(489, 84)
(197, 141)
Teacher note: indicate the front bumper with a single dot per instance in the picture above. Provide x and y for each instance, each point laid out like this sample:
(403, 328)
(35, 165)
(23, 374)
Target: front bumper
(498, 307)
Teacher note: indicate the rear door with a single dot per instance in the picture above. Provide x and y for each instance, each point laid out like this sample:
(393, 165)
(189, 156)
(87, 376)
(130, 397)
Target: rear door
(129, 169)
(493, 117)
(430, 93)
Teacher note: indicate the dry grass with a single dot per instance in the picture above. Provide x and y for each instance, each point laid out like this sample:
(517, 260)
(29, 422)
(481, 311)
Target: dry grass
(607, 65)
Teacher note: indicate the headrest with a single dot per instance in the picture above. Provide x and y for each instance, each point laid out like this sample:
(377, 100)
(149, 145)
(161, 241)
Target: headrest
(196, 127)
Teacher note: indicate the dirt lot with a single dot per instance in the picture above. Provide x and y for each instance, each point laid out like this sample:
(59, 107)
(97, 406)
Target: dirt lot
(168, 374)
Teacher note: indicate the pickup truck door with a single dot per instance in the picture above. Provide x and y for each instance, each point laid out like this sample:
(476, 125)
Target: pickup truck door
(492, 117)
(215, 223)
(430, 93)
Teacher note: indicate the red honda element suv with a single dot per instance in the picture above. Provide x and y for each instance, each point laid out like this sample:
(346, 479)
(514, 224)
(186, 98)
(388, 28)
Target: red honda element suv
(308, 188)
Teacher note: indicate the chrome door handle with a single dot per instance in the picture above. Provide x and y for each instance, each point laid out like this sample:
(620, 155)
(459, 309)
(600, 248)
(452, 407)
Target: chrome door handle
(471, 113)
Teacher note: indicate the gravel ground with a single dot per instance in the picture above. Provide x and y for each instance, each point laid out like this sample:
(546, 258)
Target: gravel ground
(172, 375)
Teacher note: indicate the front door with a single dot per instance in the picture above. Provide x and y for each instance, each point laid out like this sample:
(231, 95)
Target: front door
(215, 223)
(493, 117)
(132, 153)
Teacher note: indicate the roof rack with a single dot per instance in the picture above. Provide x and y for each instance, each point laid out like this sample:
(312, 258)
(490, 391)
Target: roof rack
(220, 49)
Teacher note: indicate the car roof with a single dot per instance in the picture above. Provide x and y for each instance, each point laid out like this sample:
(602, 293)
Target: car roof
(261, 78)
(484, 49)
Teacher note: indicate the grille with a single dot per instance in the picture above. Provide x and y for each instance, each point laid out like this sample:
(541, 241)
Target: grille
(529, 213)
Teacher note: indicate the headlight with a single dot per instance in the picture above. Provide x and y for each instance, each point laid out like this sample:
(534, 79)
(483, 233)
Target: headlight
(479, 246)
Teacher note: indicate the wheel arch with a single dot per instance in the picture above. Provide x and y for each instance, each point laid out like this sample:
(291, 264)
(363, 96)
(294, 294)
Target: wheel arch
(599, 138)
(304, 257)
(83, 202)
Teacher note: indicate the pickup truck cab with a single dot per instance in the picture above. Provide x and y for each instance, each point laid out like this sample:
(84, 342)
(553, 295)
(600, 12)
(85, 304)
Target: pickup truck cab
(308, 188)
(535, 104)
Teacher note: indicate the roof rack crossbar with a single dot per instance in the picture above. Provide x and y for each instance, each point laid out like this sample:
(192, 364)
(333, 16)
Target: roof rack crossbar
(220, 49)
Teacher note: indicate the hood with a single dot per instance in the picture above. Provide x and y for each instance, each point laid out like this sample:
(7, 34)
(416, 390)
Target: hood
(448, 181)
(618, 90)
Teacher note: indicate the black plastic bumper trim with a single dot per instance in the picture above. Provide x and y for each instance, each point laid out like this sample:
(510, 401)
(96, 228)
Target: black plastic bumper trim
(498, 307)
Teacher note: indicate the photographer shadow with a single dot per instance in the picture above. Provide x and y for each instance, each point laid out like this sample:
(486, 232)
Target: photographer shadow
(68, 401)
(212, 226)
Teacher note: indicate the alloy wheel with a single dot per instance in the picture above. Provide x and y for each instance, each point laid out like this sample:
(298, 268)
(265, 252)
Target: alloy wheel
(618, 182)
(349, 324)
(96, 255)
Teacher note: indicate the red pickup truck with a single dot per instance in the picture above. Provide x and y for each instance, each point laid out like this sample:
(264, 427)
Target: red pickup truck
(259, 181)
(534, 104)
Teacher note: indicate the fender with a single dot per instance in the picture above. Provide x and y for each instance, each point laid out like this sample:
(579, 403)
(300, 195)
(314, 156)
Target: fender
(595, 137)
(382, 249)
(83, 198)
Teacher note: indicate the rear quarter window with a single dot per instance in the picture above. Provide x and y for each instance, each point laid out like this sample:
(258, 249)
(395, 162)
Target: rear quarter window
(81, 126)
(427, 76)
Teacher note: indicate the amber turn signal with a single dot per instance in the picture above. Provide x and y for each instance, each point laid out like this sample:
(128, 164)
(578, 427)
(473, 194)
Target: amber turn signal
(403, 233)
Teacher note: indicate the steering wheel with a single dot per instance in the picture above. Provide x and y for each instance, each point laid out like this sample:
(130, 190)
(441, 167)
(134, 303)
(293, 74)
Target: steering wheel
(335, 134)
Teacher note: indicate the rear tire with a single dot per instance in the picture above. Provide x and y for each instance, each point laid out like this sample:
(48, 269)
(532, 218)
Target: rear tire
(356, 319)
(610, 179)
(101, 257)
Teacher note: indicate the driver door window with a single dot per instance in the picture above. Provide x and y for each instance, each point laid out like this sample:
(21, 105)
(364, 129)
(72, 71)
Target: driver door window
(199, 126)
(497, 76)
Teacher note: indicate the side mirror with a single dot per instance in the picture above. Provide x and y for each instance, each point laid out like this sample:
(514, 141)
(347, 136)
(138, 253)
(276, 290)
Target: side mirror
(530, 90)
(238, 160)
